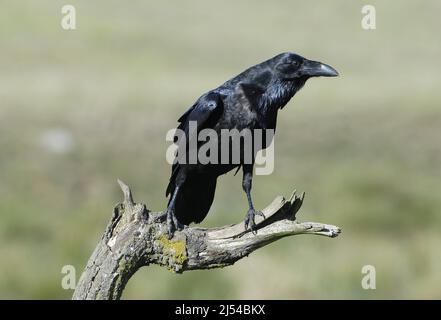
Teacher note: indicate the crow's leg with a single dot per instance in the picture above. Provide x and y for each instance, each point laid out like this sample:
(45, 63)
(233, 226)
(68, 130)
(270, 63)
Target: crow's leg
(246, 185)
(172, 222)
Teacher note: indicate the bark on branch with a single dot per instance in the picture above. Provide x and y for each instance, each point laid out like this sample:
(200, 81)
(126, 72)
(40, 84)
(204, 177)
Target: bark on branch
(134, 238)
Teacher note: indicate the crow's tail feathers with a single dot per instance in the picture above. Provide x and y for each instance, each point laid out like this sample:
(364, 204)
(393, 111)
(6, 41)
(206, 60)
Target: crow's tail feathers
(194, 198)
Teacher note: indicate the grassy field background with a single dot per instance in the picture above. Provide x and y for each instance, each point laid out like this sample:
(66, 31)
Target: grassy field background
(79, 109)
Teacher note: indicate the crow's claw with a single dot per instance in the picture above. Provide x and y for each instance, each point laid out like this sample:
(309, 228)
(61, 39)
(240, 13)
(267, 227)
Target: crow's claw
(161, 217)
(250, 219)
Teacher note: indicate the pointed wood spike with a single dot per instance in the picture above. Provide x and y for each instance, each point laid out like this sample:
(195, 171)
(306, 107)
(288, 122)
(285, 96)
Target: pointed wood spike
(128, 199)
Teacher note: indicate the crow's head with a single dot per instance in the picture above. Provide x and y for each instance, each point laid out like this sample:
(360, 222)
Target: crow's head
(291, 67)
(289, 72)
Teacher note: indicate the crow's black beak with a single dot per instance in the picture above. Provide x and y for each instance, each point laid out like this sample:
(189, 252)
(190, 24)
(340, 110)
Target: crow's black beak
(317, 69)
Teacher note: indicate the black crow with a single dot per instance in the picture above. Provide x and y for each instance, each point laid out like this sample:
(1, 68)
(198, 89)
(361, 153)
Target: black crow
(250, 100)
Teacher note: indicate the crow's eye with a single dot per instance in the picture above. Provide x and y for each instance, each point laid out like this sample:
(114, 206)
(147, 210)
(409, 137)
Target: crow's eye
(293, 64)
(289, 66)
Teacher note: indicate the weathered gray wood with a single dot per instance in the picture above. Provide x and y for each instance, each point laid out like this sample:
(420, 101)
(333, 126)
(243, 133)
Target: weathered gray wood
(135, 237)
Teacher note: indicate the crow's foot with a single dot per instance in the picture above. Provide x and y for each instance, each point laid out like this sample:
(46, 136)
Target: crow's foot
(249, 219)
(172, 222)
(161, 217)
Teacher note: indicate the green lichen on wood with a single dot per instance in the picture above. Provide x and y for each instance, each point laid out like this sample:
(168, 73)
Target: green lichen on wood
(174, 250)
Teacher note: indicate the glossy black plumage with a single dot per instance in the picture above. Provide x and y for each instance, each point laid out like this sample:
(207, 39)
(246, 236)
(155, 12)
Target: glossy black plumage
(250, 100)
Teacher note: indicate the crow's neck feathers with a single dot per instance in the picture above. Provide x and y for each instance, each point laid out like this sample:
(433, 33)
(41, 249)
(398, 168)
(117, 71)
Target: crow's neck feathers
(279, 93)
(276, 92)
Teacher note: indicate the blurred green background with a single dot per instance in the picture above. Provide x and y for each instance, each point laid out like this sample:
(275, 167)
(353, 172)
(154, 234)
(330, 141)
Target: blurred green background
(81, 108)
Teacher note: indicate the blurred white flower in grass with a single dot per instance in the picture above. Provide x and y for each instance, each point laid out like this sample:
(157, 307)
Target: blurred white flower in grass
(58, 141)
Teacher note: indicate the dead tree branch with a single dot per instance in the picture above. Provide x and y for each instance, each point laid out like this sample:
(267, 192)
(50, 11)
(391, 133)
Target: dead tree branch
(134, 238)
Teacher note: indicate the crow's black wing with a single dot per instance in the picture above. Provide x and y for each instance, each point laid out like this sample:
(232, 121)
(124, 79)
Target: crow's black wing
(204, 113)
